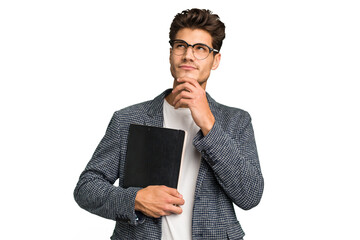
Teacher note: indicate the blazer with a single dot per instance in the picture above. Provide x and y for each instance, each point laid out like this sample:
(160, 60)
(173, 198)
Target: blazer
(229, 173)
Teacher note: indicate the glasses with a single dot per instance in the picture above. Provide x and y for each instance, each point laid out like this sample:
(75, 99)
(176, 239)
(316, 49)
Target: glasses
(200, 50)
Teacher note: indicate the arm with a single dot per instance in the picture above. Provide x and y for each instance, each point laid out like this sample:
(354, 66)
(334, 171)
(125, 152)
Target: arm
(234, 158)
(234, 161)
(95, 191)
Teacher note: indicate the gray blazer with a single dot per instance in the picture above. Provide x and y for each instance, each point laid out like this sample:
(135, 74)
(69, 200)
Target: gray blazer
(229, 173)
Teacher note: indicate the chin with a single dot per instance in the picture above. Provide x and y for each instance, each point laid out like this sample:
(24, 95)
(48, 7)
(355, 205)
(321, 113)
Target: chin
(189, 74)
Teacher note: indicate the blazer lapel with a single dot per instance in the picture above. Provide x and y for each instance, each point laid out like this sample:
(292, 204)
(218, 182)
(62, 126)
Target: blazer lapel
(155, 115)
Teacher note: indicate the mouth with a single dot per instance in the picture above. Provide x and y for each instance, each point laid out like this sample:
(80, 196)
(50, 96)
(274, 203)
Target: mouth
(187, 67)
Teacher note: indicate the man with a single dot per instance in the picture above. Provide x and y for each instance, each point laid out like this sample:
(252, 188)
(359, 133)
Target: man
(220, 165)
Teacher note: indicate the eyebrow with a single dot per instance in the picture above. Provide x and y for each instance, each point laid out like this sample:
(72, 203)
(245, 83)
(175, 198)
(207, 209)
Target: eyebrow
(191, 44)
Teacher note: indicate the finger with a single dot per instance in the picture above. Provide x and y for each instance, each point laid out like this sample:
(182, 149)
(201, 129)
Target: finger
(172, 191)
(174, 209)
(182, 95)
(152, 214)
(192, 81)
(177, 201)
(183, 102)
(184, 86)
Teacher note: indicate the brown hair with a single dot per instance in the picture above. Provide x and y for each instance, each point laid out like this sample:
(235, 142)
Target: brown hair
(199, 19)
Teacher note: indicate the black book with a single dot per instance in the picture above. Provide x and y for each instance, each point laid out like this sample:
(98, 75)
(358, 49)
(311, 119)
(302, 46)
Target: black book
(153, 156)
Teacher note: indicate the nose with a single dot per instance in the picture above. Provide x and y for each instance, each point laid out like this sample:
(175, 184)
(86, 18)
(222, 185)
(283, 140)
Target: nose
(189, 54)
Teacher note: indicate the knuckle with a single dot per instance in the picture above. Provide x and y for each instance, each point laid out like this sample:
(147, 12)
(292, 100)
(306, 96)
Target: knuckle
(166, 208)
(167, 200)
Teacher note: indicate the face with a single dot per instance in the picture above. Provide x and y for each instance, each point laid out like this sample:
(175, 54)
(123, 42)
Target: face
(187, 65)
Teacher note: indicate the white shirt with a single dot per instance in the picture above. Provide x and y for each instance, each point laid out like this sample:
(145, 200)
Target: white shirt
(178, 227)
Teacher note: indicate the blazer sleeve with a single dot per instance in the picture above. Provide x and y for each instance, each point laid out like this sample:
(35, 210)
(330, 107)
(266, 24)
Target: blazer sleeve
(234, 160)
(95, 191)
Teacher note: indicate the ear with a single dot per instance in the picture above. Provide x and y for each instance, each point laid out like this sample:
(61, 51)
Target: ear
(216, 61)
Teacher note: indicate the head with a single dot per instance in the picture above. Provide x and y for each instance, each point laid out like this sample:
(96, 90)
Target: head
(196, 26)
(199, 19)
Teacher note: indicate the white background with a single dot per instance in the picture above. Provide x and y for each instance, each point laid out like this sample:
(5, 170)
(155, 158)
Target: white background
(66, 66)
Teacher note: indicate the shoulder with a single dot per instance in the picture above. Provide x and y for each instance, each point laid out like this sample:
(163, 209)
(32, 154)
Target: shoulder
(228, 114)
(131, 114)
(231, 119)
(122, 118)
(139, 108)
(137, 112)
(230, 111)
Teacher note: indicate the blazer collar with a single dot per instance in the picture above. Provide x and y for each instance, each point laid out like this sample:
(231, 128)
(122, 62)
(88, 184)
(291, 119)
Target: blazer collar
(156, 105)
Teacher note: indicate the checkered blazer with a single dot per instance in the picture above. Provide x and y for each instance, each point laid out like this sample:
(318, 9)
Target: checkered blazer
(229, 173)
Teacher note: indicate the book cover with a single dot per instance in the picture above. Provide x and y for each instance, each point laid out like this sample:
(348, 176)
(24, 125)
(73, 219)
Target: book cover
(154, 156)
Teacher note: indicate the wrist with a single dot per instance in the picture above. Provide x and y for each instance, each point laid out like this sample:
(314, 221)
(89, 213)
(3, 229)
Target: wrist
(208, 126)
(138, 205)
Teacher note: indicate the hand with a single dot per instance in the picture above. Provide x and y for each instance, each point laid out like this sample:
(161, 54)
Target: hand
(157, 201)
(189, 93)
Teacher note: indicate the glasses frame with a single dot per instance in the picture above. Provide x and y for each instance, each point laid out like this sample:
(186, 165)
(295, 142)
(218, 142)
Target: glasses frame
(193, 45)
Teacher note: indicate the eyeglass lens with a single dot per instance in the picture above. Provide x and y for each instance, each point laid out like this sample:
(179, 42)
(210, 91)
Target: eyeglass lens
(200, 51)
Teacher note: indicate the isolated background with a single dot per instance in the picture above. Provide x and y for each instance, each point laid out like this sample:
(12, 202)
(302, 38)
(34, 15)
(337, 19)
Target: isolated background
(66, 66)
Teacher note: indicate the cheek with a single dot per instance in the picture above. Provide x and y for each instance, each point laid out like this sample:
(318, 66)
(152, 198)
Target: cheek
(172, 67)
(173, 61)
(206, 69)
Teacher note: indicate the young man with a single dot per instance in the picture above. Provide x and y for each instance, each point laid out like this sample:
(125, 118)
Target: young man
(220, 167)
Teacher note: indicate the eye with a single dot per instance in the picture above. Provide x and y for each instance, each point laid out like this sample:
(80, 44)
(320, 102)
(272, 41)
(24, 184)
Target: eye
(179, 45)
(201, 48)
